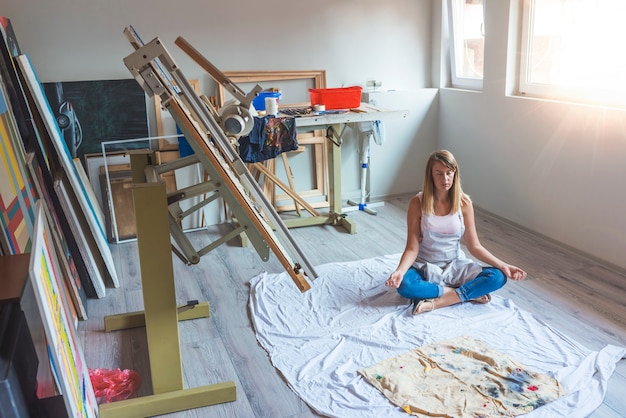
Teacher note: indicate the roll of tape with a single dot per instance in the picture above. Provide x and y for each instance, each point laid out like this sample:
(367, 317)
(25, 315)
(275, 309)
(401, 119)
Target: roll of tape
(319, 108)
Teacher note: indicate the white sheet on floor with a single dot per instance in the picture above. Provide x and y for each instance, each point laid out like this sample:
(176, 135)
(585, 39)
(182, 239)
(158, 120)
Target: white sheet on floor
(350, 320)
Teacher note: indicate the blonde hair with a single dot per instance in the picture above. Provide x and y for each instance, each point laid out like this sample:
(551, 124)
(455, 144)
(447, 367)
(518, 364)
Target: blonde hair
(455, 193)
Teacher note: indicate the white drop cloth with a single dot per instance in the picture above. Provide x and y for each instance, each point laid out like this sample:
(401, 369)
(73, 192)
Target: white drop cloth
(350, 320)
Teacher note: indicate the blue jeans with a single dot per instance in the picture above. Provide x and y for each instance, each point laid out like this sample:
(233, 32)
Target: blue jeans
(414, 286)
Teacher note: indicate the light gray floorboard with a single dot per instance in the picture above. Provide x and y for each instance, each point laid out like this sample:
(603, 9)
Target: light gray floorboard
(575, 294)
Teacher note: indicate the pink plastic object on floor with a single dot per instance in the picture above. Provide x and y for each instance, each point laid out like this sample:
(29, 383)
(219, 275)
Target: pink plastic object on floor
(114, 385)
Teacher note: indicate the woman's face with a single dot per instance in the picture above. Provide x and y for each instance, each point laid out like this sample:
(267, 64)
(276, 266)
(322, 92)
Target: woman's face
(443, 177)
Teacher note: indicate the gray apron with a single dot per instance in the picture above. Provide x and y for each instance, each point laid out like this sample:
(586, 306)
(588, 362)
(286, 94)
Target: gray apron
(440, 259)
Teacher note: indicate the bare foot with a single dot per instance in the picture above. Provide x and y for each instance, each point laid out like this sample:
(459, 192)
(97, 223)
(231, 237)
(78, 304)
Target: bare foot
(482, 299)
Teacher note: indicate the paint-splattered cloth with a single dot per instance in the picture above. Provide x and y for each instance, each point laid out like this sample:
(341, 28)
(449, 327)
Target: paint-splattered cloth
(461, 377)
(269, 137)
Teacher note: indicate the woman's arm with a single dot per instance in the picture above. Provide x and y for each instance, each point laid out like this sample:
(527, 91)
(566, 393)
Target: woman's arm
(481, 253)
(414, 217)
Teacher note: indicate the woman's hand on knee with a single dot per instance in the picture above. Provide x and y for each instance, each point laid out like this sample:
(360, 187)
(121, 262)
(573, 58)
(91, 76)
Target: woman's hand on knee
(513, 273)
(394, 279)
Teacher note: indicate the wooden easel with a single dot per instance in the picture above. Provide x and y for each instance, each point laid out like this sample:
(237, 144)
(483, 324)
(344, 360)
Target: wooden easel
(157, 73)
(157, 216)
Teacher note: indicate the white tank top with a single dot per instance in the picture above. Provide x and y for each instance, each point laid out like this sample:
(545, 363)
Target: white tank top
(441, 237)
(440, 258)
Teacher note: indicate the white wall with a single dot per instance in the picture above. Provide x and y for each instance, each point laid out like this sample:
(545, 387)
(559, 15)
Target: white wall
(353, 40)
(554, 168)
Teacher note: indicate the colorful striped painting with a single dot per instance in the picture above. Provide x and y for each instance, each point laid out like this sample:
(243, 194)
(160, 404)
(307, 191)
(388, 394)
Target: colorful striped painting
(66, 353)
(17, 196)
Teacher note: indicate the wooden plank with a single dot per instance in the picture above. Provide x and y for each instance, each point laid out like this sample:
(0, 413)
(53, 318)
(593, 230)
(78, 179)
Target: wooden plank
(268, 172)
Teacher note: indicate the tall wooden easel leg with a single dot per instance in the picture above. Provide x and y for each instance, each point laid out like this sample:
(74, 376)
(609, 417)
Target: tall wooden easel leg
(159, 293)
(334, 134)
(161, 318)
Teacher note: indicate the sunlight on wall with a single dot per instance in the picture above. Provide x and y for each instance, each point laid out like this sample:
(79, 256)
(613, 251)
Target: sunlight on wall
(576, 48)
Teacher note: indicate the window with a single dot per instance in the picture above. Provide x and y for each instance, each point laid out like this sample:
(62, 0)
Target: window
(467, 35)
(573, 50)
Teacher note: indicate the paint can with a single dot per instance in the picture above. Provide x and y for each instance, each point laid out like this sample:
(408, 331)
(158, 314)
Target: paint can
(271, 106)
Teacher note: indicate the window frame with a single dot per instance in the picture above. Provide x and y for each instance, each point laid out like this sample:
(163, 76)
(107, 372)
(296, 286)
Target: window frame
(526, 88)
(456, 43)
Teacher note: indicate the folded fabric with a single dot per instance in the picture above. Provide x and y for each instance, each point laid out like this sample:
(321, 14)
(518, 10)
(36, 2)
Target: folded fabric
(461, 377)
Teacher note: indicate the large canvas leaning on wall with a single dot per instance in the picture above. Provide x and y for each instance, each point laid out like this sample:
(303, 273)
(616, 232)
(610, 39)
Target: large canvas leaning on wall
(61, 152)
(41, 168)
(89, 113)
(17, 194)
(66, 354)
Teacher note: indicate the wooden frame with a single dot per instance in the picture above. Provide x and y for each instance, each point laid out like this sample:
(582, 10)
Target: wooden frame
(116, 190)
(99, 166)
(316, 139)
(317, 76)
(66, 354)
(94, 265)
(94, 164)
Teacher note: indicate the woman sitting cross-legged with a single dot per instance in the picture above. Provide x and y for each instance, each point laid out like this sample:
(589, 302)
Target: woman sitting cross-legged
(433, 271)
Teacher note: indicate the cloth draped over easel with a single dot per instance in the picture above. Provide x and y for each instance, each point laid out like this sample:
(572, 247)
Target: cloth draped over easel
(269, 137)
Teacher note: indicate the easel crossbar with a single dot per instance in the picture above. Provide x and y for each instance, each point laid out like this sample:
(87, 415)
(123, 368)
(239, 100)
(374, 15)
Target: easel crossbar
(164, 403)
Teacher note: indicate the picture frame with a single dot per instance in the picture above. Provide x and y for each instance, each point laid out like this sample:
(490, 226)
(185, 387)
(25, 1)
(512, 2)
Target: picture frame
(86, 184)
(95, 163)
(85, 245)
(76, 286)
(66, 354)
(33, 143)
(120, 210)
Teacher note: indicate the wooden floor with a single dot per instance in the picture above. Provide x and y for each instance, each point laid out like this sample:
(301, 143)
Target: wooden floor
(584, 299)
